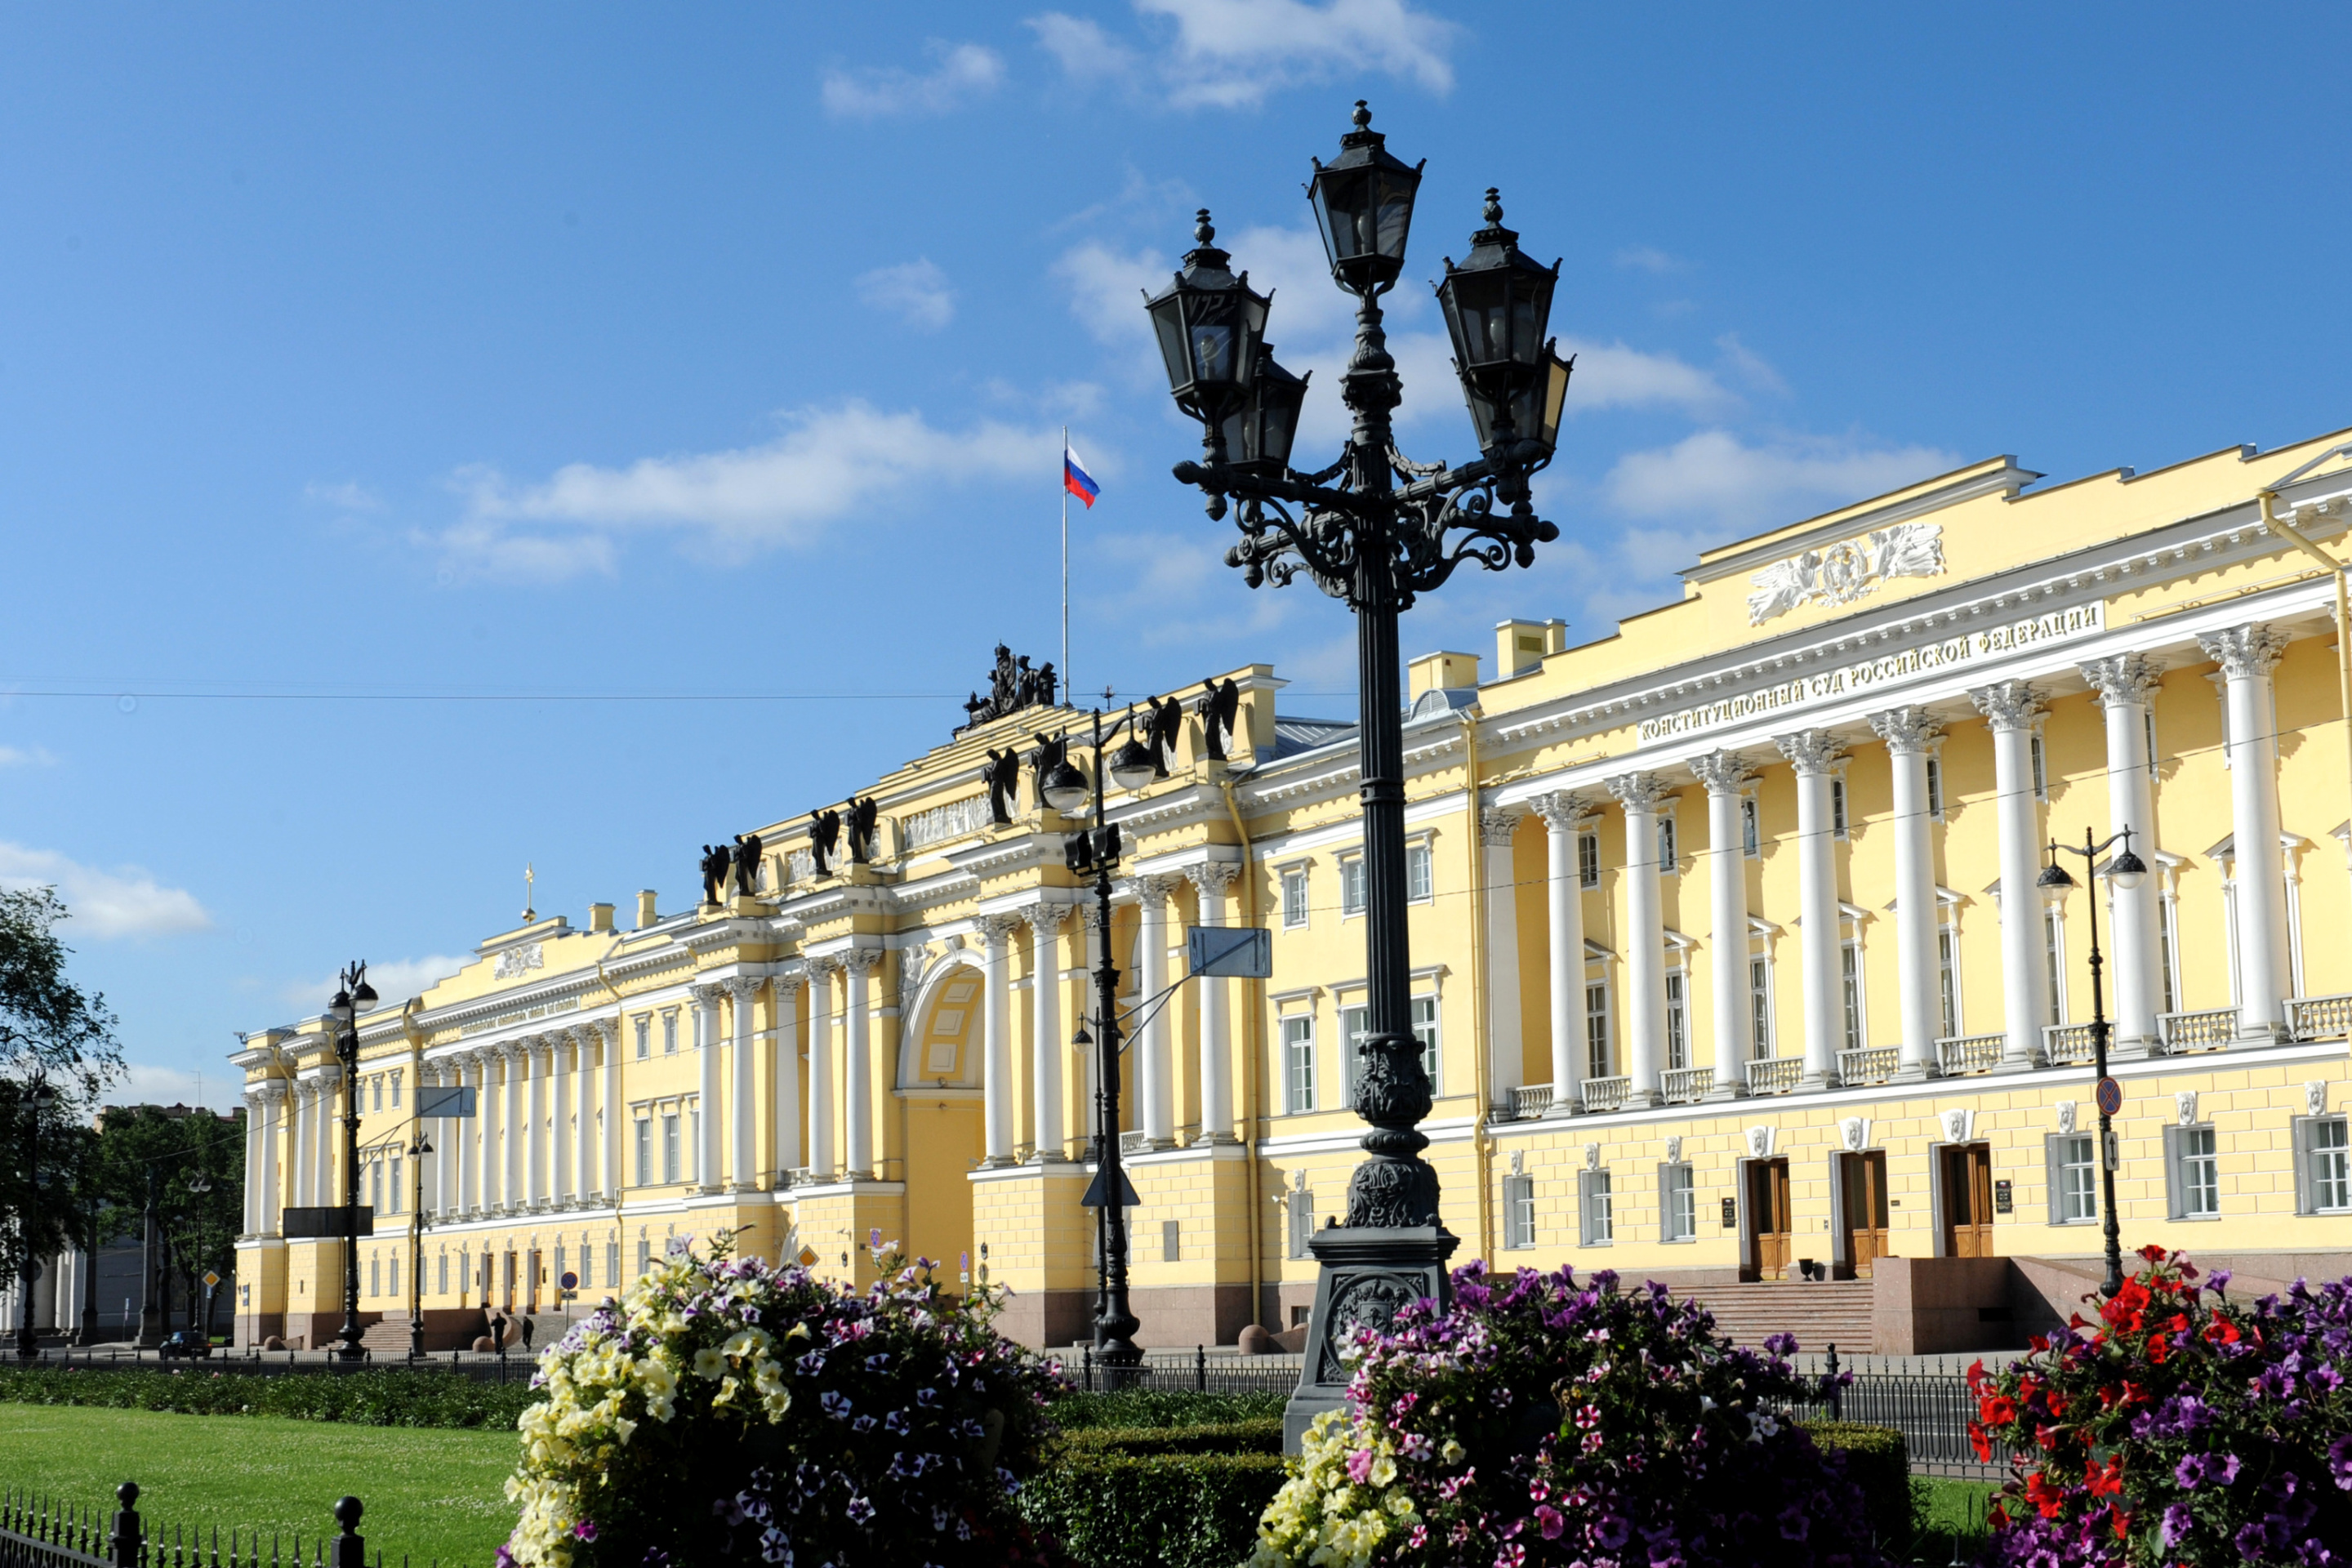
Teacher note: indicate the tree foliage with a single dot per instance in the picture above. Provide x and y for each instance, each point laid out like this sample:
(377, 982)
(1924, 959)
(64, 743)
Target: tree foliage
(52, 1035)
(197, 1160)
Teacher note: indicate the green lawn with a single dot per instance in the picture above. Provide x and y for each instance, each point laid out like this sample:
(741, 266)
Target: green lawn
(431, 1494)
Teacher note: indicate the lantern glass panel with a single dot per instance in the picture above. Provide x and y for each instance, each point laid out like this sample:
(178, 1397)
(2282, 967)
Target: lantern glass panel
(1555, 399)
(1168, 323)
(1212, 333)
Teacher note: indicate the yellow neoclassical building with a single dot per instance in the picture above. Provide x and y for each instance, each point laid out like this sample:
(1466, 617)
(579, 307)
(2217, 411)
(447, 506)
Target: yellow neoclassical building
(1726, 947)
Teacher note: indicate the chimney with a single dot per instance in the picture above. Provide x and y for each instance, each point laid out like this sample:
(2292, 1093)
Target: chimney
(646, 915)
(1451, 671)
(600, 917)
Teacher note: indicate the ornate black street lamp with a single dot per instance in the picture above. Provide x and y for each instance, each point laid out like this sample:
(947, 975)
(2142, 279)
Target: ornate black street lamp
(1095, 852)
(419, 1145)
(38, 1100)
(353, 997)
(2125, 871)
(1387, 529)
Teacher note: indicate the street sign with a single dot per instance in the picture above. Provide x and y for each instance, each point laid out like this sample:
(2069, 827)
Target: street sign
(568, 1280)
(2110, 1096)
(323, 1223)
(1094, 1198)
(1234, 953)
(808, 1258)
(445, 1100)
(212, 1279)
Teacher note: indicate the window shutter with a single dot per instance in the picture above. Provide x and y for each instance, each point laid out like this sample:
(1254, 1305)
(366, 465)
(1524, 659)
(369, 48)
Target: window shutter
(2053, 1174)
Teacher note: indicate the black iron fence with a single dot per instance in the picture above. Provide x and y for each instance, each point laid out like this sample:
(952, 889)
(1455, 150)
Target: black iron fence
(46, 1533)
(1932, 1410)
(1166, 1371)
(484, 1366)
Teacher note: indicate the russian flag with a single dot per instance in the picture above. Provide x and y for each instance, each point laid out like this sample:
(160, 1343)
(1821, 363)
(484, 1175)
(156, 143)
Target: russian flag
(1076, 480)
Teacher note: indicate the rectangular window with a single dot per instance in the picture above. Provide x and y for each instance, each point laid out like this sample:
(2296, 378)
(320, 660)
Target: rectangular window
(1668, 858)
(465, 1271)
(2041, 769)
(644, 1152)
(559, 1270)
(1298, 1063)
(1678, 1202)
(1300, 1208)
(2053, 934)
(1416, 873)
(1759, 999)
(694, 1141)
(611, 1265)
(1587, 860)
(2196, 1172)
(375, 1274)
(644, 1038)
(645, 1256)
(1597, 1209)
(2327, 1164)
(2167, 941)
(1677, 1030)
(392, 1188)
(1294, 898)
(587, 1265)
(395, 1272)
(1948, 978)
(669, 1147)
(1424, 1029)
(1596, 1029)
(395, 1092)
(375, 1092)
(376, 1186)
(1837, 809)
(1849, 988)
(441, 1276)
(1352, 885)
(1518, 1212)
(1353, 1023)
(2073, 1178)
(669, 1034)
(1171, 1241)
(1936, 788)
(1751, 836)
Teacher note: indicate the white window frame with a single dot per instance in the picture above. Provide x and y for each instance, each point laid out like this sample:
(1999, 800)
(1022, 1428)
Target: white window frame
(2038, 755)
(1677, 1041)
(1588, 859)
(2179, 1156)
(1354, 890)
(1677, 1202)
(2315, 1194)
(1762, 1005)
(1295, 909)
(2070, 1203)
(1840, 822)
(645, 1149)
(1605, 1047)
(1596, 1208)
(669, 1031)
(1751, 825)
(1935, 789)
(646, 1037)
(1951, 1004)
(1668, 847)
(395, 1090)
(2053, 939)
(1297, 1062)
(612, 1266)
(1355, 1022)
(1519, 1213)
(673, 1152)
(1299, 1206)
(1430, 1033)
(1852, 994)
(1420, 872)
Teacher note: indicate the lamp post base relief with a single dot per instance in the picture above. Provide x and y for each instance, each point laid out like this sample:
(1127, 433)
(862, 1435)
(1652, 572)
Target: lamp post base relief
(1367, 1273)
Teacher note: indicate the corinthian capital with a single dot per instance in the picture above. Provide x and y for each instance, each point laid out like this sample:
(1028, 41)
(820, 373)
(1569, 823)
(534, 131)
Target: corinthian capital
(1636, 792)
(1810, 751)
(1561, 809)
(708, 993)
(1721, 772)
(1496, 828)
(862, 960)
(1153, 888)
(2125, 679)
(995, 930)
(2007, 704)
(1210, 877)
(1905, 730)
(2245, 652)
(743, 986)
(1045, 918)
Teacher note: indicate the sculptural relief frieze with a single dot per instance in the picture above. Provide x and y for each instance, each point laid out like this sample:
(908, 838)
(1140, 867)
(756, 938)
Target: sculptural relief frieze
(1847, 570)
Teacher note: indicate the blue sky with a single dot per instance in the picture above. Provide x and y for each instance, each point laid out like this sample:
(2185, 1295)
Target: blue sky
(435, 438)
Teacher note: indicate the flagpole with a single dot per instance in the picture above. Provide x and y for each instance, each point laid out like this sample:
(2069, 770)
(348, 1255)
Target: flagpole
(1067, 687)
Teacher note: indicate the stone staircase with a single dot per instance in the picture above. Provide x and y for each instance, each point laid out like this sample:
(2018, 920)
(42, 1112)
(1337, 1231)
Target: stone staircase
(1831, 1312)
(388, 1335)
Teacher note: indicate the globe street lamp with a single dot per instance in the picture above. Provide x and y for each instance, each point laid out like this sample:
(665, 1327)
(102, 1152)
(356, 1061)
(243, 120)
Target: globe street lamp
(1095, 853)
(2126, 871)
(1388, 530)
(353, 997)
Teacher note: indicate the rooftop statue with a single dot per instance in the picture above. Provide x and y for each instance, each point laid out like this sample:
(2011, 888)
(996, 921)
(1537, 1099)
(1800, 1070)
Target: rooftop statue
(1012, 685)
(1219, 707)
(825, 838)
(746, 864)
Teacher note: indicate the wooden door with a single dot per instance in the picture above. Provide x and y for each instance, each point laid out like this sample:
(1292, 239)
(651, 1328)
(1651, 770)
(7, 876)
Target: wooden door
(1968, 1201)
(1863, 1177)
(538, 1272)
(1768, 1213)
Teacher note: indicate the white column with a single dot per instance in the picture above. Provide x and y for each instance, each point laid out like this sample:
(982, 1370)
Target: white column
(1814, 753)
(1155, 1074)
(706, 1050)
(784, 1017)
(428, 1170)
(1210, 880)
(822, 1112)
(1045, 1036)
(583, 1111)
(534, 1058)
(449, 1147)
(995, 1041)
(2010, 707)
(559, 1079)
(1506, 1047)
(1564, 812)
(1909, 732)
(610, 1179)
(322, 1120)
(2247, 655)
(482, 1144)
(2124, 683)
(1724, 774)
(297, 1144)
(270, 1095)
(1645, 935)
(858, 964)
(254, 1146)
(514, 1122)
(743, 1119)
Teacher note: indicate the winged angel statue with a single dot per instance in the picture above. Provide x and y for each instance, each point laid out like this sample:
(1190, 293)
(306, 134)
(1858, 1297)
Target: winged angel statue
(1846, 571)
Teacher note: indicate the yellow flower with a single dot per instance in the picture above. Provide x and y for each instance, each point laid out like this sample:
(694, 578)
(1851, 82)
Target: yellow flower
(1451, 1453)
(626, 1429)
(709, 1362)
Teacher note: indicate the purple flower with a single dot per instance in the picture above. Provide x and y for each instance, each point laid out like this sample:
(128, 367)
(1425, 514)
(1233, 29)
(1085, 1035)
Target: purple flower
(859, 1511)
(833, 1404)
(586, 1530)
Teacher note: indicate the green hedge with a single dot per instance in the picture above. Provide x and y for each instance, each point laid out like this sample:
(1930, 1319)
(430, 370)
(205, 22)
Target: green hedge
(1259, 1434)
(387, 1398)
(1142, 1407)
(1878, 1460)
(1153, 1511)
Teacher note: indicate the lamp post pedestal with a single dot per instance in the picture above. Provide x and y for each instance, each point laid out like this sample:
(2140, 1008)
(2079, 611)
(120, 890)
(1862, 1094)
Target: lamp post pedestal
(1367, 1273)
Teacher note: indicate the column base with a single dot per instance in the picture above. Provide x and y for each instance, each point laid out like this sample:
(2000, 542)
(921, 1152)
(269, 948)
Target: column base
(1641, 1100)
(1724, 1091)
(987, 1162)
(1914, 1072)
(1818, 1082)
(1561, 1110)
(2014, 1064)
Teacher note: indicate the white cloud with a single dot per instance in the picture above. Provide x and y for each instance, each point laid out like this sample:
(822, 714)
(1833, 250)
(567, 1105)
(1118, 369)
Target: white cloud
(124, 901)
(915, 291)
(346, 497)
(1649, 259)
(1229, 54)
(395, 981)
(26, 757)
(1713, 475)
(964, 71)
(1087, 54)
(732, 504)
(1751, 366)
(1610, 375)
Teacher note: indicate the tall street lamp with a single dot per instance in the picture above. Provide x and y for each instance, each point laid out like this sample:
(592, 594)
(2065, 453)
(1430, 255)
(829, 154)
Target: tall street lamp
(1095, 852)
(2125, 871)
(1388, 530)
(198, 1185)
(418, 1147)
(353, 997)
(38, 1100)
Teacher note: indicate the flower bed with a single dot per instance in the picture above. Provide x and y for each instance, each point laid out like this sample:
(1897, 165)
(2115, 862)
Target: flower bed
(2184, 1427)
(728, 1409)
(1544, 1421)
